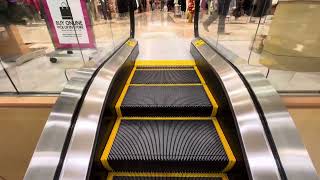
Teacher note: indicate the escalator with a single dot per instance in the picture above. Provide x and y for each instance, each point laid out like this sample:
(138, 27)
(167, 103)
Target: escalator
(201, 119)
(167, 124)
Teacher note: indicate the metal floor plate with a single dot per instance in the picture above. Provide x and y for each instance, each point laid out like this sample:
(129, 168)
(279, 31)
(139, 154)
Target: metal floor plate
(166, 176)
(164, 67)
(167, 76)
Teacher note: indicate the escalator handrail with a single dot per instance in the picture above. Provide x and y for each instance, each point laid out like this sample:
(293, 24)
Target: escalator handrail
(132, 19)
(196, 18)
(47, 157)
(79, 155)
(291, 155)
(260, 161)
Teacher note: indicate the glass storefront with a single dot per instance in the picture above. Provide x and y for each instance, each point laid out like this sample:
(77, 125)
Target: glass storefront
(280, 38)
(44, 42)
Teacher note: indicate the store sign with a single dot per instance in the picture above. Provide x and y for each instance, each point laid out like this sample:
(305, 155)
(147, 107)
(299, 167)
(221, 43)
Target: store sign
(69, 22)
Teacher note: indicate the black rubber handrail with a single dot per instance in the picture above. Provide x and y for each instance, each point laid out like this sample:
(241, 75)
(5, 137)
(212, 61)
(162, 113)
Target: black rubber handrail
(76, 113)
(132, 20)
(196, 18)
(258, 106)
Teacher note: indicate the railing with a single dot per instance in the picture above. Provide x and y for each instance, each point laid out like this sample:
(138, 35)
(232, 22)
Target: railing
(266, 37)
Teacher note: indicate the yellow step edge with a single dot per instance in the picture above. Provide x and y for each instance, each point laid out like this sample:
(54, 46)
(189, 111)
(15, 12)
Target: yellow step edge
(165, 63)
(212, 100)
(131, 75)
(123, 93)
(199, 75)
(231, 157)
(156, 174)
(195, 84)
(106, 152)
(165, 118)
(107, 149)
(210, 96)
(164, 69)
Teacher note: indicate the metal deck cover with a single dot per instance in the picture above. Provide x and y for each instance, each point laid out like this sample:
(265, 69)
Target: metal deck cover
(164, 178)
(168, 76)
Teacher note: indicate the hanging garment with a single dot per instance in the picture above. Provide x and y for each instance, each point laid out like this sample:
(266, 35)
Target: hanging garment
(261, 8)
(213, 6)
(191, 6)
(203, 4)
(33, 3)
(223, 7)
(123, 6)
(144, 5)
(182, 3)
(257, 8)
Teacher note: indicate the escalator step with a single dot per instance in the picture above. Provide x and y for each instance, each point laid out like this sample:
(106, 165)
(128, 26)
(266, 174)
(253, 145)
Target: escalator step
(167, 145)
(168, 76)
(165, 176)
(168, 101)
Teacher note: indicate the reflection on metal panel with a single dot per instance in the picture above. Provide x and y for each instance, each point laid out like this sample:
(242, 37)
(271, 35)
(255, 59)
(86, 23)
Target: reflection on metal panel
(47, 154)
(79, 153)
(261, 162)
(293, 155)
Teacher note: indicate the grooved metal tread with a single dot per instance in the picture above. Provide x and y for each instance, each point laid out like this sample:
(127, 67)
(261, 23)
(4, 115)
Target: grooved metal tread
(168, 76)
(166, 101)
(165, 176)
(164, 67)
(165, 124)
(146, 145)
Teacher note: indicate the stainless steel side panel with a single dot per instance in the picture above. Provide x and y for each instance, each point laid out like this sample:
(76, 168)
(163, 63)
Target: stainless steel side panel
(261, 162)
(47, 154)
(293, 155)
(79, 153)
